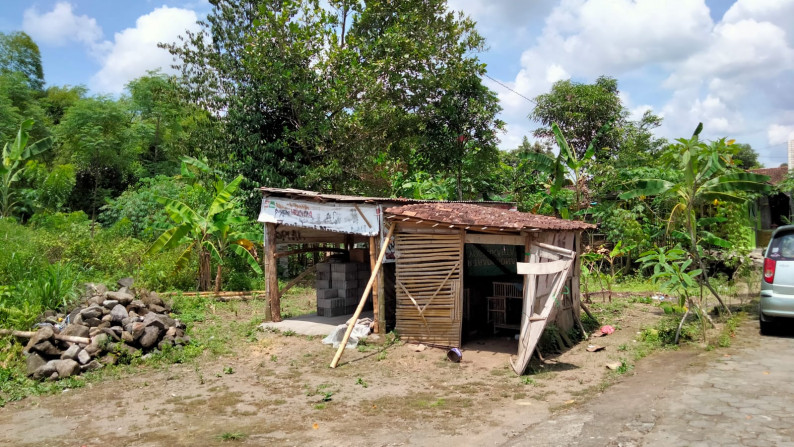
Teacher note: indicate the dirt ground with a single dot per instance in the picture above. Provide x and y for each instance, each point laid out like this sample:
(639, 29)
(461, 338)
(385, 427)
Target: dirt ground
(279, 390)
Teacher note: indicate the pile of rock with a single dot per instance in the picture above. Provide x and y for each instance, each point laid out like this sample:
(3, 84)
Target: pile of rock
(107, 325)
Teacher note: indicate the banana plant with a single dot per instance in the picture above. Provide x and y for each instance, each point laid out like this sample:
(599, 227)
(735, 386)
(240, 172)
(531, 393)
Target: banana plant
(566, 166)
(221, 229)
(708, 177)
(15, 155)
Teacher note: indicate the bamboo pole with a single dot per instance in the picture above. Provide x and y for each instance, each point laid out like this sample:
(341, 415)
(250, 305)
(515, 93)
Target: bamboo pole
(352, 321)
(375, 297)
(30, 334)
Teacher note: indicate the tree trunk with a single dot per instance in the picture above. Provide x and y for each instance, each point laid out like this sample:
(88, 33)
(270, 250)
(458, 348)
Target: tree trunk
(205, 276)
(218, 278)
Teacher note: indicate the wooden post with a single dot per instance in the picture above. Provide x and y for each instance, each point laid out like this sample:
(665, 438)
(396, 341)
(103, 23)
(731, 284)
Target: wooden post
(271, 272)
(357, 313)
(374, 268)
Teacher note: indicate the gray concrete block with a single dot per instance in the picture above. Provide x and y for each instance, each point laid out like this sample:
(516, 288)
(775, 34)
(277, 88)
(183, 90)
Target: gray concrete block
(343, 276)
(326, 294)
(345, 267)
(332, 312)
(330, 303)
(348, 293)
(324, 276)
(323, 267)
(322, 284)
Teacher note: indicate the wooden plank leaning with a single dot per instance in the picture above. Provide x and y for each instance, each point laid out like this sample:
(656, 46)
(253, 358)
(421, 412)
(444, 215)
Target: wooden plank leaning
(30, 334)
(352, 321)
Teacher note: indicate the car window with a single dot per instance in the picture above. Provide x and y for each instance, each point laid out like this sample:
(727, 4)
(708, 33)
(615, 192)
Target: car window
(782, 247)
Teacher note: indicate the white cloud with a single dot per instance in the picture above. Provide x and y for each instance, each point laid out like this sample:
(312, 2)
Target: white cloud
(778, 134)
(134, 50)
(61, 26)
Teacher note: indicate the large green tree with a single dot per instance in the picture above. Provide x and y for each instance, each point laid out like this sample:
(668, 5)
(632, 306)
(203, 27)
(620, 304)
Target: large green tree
(96, 135)
(160, 115)
(19, 53)
(333, 98)
(581, 110)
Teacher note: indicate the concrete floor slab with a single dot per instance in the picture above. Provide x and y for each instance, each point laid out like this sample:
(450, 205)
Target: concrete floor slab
(312, 324)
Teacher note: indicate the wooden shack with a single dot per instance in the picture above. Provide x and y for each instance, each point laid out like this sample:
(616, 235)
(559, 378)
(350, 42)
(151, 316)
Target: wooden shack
(454, 270)
(435, 287)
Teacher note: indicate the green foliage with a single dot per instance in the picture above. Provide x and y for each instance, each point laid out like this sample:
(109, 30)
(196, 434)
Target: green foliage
(12, 166)
(19, 53)
(581, 111)
(96, 136)
(671, 271)
(663, 333)
(140, 205)
(212, 233)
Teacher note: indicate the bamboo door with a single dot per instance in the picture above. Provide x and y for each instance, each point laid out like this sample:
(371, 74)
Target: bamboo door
(428, 287)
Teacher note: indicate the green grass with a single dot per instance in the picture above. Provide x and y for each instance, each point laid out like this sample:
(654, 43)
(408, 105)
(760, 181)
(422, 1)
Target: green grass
(232, 436)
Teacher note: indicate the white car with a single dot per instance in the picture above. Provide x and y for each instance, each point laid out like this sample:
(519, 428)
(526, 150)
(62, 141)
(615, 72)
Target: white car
(777, 285)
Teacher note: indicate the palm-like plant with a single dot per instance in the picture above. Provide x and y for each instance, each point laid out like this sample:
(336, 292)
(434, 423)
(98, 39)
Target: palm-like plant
(708, 176)
(15, 154)
(212, 234)
(566, 166)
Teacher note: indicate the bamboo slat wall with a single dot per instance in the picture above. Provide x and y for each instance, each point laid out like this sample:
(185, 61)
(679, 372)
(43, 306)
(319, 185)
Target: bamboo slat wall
(428, 287)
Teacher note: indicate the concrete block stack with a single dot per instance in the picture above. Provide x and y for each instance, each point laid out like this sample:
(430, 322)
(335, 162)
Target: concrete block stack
(340, 286)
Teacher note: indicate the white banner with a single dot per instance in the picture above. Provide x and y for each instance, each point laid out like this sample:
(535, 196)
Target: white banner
(337, 217)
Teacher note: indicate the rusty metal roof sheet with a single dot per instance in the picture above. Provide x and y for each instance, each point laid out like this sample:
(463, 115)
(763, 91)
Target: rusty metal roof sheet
(320, 197)
(471, 215)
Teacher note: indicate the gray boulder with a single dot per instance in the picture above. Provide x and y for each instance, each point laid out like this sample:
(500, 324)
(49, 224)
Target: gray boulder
(66, 368)
(118, 314)
(91, 312)
(46, 370)
(46, 348)
(92, 322)
(44, 333)
(125, 282)
(71, 353)
(150, 336)
(109, 304)
(91, 366)
(83, 357)
(34, 362)
(121, 296)
(76, 330)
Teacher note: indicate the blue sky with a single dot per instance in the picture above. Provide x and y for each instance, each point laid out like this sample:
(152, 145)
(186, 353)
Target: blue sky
(727, 63)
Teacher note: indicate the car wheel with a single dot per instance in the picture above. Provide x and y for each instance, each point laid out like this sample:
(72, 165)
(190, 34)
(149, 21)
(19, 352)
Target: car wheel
(766, 326)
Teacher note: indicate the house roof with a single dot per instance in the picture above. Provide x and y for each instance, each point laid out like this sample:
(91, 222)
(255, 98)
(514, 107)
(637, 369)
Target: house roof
(480, 218)
(776, 175)
(319, 197)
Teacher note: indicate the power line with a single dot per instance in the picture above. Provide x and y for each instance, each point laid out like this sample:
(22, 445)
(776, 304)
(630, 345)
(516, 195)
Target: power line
(505, 86)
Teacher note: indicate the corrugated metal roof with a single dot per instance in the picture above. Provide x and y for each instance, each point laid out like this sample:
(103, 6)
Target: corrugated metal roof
(482, 217)
(316, 196)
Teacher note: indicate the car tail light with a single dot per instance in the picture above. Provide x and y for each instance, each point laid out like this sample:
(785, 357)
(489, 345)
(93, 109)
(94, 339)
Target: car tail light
(769, 270)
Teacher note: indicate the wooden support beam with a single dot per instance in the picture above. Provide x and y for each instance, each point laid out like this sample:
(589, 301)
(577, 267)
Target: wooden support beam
(494, 239)
(357, 313)
(295, 281)
(271, 272)
(308, 250)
